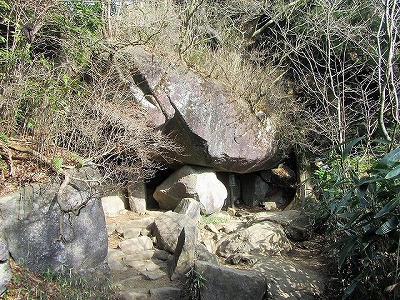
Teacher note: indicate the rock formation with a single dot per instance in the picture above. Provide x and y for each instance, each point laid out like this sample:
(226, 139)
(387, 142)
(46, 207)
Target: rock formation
(215, 129)
(45, 232)
(192, 182)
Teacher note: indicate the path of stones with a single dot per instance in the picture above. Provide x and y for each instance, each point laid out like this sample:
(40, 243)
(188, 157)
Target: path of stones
(140, 271)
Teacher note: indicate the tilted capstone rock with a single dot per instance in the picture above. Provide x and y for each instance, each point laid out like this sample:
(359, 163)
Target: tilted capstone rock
(215, 128)
(192, 182)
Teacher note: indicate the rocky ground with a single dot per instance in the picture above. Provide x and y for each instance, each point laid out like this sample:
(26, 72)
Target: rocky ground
(139, 270)
(285, 256)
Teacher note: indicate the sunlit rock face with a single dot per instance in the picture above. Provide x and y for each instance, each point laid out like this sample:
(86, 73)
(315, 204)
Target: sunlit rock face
(215, 129)
(198, 183)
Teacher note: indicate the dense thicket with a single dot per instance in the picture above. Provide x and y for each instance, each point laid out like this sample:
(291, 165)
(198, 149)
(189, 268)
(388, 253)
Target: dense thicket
(342, 57)
(60, 90)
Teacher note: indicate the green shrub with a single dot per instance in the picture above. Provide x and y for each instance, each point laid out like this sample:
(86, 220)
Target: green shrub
(364, 209)
(194, 282)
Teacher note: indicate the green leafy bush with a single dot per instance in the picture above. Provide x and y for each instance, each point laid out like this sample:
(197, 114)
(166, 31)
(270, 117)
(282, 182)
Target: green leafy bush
(194, 282)
(364, 211)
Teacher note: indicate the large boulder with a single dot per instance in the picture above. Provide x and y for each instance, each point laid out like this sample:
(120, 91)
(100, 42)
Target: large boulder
(185, 253)
(48, 228)
(5, 271)
(222, 283)
(215, 129)
(297, 224)
(192, 182)
(266, 238)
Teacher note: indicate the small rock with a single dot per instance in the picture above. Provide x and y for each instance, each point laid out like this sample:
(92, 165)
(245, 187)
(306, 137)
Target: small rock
(112, 205)
(165, 293)
(161, 255)
(270, 206)
(111, 228)
(145, 232)
(211, 227)
(210, 245)
(140, 265)
(189, 207)
(142, 255)
(138, 224)
(135, 245)
(131, 233)
(119, 230)
(203, 254)
(231, 227)
(148, 222)
(153, 275)
(137, 197)
(231, 211)
(115, 253)
(114, 259)
(137, 205)
(116, 264)
(237, 259)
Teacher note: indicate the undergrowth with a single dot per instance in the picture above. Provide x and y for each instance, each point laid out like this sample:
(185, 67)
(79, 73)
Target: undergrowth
(193, 284)
(63, 285)
(359, 201)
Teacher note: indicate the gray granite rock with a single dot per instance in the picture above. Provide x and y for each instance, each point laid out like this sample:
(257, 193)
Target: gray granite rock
(222, 283)
(45, 232)
(167, 228)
